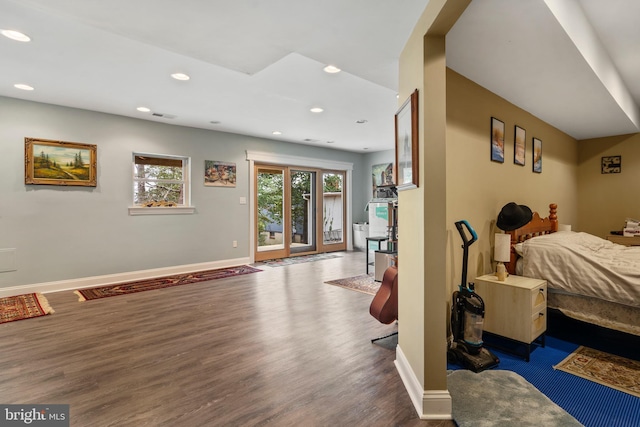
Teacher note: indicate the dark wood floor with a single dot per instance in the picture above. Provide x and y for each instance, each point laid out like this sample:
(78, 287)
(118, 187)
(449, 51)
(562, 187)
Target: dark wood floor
(278, 348)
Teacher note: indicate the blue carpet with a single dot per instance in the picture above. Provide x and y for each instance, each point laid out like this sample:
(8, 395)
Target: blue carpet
(592, 404)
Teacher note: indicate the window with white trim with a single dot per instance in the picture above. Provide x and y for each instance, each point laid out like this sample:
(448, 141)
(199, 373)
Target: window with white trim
(161, 181)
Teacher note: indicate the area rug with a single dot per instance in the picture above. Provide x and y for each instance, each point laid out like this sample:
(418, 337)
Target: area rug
(162, 282)
(279, 262)
(363, 283)
(603, 368)
(25, 306)
(497, 398)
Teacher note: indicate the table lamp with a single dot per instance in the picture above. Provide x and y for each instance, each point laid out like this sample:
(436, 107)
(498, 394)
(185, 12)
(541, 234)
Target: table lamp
(502, 254)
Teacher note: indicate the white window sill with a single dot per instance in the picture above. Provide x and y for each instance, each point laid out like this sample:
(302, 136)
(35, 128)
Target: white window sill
(176, 210)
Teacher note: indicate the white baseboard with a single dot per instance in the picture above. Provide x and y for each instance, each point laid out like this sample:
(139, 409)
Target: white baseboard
(430, 404)
(110, 279)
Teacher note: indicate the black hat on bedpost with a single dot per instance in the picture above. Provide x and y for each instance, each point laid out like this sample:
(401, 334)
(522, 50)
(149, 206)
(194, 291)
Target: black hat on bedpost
(513, 216)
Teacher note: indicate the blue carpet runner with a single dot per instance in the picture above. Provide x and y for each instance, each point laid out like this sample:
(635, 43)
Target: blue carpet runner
(592, 404)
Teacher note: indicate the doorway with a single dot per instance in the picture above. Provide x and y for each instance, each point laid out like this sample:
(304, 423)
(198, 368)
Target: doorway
(298, 211)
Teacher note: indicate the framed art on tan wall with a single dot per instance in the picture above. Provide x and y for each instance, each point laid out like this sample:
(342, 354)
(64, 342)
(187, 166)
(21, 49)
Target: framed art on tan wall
(406, 125)
(49, 162)
(519, 145)
(497, 140)
(537, 155)
(611, 164)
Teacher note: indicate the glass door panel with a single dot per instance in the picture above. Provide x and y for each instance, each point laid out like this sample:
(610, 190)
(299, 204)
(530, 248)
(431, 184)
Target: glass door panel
(298, 211)
(271, 229)
(333, 208)
(302, 190)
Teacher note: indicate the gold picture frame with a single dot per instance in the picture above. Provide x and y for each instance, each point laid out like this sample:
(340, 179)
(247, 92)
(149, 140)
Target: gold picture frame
(406, 125)
(49, 162)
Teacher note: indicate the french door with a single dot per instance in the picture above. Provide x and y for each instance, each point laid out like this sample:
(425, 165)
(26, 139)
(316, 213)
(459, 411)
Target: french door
(298, 211)
(302, 188)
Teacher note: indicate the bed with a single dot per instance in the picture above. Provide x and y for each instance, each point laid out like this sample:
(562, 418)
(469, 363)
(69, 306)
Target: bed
(589, 279)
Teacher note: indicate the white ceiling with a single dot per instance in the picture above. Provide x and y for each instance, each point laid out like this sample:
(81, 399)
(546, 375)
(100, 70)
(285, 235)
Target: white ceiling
(256, 66)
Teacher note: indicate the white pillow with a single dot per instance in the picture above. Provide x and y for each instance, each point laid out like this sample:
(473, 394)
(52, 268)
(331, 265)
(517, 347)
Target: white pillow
(518, 247)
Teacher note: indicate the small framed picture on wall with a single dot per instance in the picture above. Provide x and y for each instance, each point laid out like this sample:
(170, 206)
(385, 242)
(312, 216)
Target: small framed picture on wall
(497, 140)
(537, 155)
(406, 125)
(219, 174)
(611, 164)
(519, 145)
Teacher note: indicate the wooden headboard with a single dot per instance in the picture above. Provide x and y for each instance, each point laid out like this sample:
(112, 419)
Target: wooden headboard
(536, 227)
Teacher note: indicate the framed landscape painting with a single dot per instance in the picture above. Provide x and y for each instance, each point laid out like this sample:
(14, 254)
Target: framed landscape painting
(49, 162)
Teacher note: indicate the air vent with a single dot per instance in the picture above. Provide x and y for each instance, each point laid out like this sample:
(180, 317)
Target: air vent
(164, 116)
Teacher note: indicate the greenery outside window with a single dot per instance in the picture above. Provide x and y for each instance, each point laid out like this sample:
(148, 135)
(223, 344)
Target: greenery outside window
(161, 184)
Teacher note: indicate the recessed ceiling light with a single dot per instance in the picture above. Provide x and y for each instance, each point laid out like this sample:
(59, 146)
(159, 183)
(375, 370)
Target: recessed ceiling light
(365, 148)
(214, 122)
(331, 69)
(316, 110)
(276, 132)
(330, 142)
(143, 109)
(361, 121)
(16, 35)
(180, 76)
(23, 86)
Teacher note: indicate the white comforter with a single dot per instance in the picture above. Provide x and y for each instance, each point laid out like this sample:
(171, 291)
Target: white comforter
(584, 264)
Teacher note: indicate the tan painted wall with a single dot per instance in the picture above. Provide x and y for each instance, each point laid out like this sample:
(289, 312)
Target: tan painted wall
(606, 200)
(421, 216)
(477, 188)
(410, 202)
(457, 181)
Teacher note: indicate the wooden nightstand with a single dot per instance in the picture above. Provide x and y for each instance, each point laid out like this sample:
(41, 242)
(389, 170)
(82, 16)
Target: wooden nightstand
(514, 309)
(624, 240)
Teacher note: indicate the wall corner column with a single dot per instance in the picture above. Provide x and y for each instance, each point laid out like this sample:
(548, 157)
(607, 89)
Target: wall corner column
(421, 355)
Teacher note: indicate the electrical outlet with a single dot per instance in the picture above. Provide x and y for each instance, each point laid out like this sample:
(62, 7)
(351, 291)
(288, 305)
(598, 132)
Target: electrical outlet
(235, 243)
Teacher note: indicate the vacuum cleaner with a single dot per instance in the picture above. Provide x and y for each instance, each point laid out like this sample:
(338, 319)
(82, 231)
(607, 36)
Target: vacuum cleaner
(467, 317)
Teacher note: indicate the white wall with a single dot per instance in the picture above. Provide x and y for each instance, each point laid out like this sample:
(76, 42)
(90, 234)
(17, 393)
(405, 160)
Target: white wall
(62, 233)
